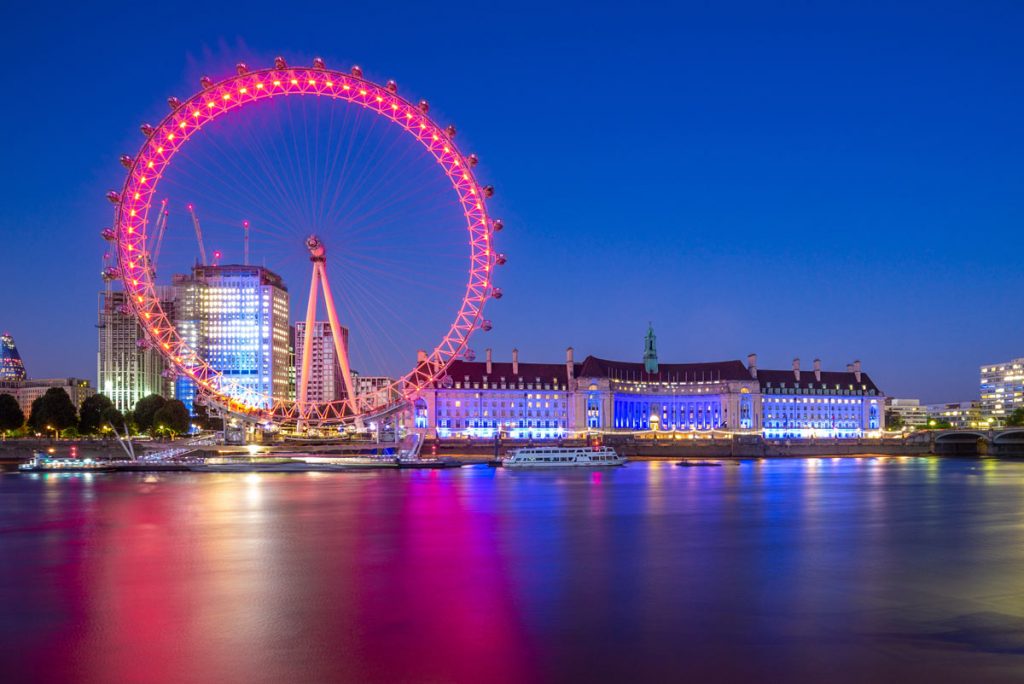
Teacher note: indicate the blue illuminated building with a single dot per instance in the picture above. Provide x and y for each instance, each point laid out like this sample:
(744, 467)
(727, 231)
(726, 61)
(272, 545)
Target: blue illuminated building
(11, 366)
(551, 401)
(236, 318)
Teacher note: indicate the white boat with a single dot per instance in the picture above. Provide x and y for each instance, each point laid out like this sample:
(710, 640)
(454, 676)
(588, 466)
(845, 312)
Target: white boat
(43, 463)
(563, 457)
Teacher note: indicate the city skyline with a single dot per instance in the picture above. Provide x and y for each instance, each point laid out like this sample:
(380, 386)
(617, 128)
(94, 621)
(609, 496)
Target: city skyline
(816, 204)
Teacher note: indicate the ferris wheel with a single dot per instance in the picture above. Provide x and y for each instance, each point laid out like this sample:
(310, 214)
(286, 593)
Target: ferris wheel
(137, 239)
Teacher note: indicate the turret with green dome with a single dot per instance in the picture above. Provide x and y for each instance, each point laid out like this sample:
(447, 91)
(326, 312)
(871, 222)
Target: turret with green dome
(650, 351)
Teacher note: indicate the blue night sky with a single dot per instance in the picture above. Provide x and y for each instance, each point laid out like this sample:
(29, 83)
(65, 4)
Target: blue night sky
(840, 180)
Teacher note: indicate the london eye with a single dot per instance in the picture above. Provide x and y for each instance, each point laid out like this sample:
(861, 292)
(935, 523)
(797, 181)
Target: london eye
(290, 162)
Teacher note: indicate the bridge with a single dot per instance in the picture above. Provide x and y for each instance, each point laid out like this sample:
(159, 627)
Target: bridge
(970, 442)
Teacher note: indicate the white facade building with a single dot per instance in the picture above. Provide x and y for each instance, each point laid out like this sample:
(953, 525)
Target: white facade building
(1002, 389)
(913, 414)
(127, 367)
(325, 379)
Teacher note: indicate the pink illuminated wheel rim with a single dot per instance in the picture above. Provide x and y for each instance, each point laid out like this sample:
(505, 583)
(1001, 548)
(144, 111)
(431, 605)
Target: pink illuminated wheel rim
(218, 99)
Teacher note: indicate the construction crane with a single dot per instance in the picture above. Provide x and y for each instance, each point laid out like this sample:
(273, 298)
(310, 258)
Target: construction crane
(161, 226)
(199, 234)
(245, 228)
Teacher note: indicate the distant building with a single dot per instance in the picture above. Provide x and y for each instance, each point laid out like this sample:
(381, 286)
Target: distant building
(28, 391)
(236, 318)
(11, 366)
(325, 379)
(913, 414)
(548, 401)
(128, 368)
(367, 384)
(14, 381)
(959, 414)
(1002, 389)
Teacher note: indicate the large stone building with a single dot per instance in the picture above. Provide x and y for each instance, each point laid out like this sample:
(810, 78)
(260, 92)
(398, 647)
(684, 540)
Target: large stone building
(547, 401)
(1002, 389)
(127, 366)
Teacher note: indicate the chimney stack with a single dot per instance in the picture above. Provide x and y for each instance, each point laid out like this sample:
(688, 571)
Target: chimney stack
(488, 353)
(849, 368)
(856, 369)
(515, 362)
(817, 370)
(752, 365)
(570, 370)
(421, 356)
(796, 369)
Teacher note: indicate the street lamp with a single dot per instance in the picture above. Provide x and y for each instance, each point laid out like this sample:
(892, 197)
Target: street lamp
(50, 427)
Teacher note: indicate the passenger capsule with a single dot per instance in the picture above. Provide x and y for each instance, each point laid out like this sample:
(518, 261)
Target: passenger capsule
(124, 309)
(469, 355)
(500, 259)
(280, 64)
(450, 131)
(206, 82)
(486, 326)
(488, 191)
(497, 225)
(110, 273)
(143, 343)
(318, 63)
(108, 234)
(126, 161)
(114, 197)
(357, 71)
(391, 86)
(147, 130)
(424, 106)
(241, 68)
(497, 293)
(169, 374)
(173, 102)
(473, 160)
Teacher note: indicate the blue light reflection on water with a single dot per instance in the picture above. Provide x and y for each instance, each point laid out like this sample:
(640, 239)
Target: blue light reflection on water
(782, 570)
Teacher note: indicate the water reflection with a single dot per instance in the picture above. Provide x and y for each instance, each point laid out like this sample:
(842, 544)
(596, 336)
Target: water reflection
(840, 570)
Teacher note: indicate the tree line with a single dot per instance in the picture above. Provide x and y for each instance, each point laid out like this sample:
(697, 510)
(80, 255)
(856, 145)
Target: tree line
(55, 413)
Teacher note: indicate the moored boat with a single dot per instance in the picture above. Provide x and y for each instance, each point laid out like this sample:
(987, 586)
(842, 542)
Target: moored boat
(563, 457)
(43, 463)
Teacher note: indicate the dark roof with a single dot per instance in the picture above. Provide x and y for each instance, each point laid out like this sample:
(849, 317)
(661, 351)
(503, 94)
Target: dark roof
(829, 379)
(593, 367)
(528, 372)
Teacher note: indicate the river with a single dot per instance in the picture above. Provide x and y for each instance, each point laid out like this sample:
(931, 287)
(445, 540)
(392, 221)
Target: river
(802, 570)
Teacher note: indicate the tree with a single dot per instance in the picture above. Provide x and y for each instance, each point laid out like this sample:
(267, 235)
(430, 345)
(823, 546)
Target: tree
(145, 408)
(939, 424)
(11, 415)
(53, 411)
(203, 419)
(893, 420)
(172, 418)
(90, 416)
(1016, 419)
(112, 417)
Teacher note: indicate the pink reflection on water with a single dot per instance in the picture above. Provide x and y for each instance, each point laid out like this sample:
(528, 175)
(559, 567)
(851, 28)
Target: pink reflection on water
(288, 579)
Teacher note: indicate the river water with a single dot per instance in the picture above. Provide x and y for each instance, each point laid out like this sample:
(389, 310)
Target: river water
(809, 570)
